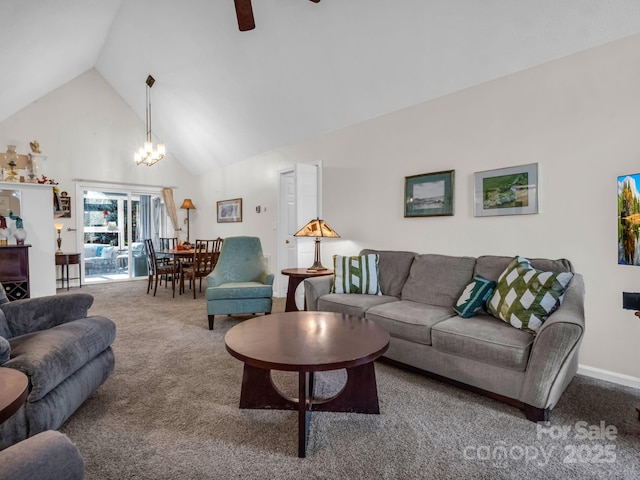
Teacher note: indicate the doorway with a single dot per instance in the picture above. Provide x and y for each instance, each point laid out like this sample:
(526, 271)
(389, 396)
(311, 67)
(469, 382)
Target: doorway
(115, 221)
(299, 202)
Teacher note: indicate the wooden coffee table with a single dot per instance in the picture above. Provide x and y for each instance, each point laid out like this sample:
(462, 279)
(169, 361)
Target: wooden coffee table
(308, 342)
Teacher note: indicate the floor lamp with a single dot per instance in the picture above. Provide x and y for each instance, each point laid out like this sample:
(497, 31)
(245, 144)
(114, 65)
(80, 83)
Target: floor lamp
(187, 205)
(317, 228)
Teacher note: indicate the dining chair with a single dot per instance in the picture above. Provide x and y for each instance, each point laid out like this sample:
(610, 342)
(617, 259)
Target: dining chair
(201, 265)
(167, 243)
(217, 247)
(158, 267)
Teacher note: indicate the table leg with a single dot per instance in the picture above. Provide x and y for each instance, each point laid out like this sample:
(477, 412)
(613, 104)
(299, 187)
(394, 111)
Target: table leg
(291, 306)
(359, 395)
(304, 412)
(258, 391)
(67, 277)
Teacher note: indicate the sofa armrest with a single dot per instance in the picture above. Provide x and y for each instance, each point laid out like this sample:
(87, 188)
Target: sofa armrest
(553, 359)
(47, 455)
(34, 314)
(316, 287)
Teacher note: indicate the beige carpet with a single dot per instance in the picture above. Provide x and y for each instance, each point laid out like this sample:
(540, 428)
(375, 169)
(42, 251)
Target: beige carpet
(170, 411)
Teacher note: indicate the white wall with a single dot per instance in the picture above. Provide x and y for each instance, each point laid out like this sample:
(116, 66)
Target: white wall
(90, 133)
(578, 118)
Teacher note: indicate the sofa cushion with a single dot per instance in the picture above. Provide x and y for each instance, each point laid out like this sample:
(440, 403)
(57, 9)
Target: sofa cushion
(438, 279)
(484, 339)
(354, 304)
(408, 320)
(525, 297)
(357, 274)
(394, 269)
(492, 266)
(107, 252)
(48, 357)
(474, 296)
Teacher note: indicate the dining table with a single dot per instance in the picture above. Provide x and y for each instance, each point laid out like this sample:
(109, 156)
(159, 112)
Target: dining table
(178, 257)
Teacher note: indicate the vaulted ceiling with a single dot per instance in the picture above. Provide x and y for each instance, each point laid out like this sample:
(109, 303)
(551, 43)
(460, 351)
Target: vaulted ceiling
(308, 68)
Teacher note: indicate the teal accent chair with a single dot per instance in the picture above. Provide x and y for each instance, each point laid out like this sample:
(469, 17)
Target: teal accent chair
(239, 283)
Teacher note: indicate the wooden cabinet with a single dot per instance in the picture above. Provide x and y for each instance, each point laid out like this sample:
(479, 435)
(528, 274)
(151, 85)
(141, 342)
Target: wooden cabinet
(14, 271)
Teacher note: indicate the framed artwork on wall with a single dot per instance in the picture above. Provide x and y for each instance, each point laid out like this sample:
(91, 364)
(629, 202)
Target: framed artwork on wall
(628, 220)
(507, 191)
(65, 206)
(229, 210)
(429, 194)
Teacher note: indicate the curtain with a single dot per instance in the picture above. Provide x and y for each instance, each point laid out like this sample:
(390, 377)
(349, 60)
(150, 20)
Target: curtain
(157, 207)
(144, 225)
(167, 195)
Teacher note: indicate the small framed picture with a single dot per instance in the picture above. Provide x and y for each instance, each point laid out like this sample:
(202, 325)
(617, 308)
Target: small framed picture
(507, 191)
(429, 194)
(229, 210)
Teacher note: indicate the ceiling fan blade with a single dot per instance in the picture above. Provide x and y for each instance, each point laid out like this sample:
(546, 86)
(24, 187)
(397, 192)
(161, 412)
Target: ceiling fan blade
(244, 12)
(315, 1)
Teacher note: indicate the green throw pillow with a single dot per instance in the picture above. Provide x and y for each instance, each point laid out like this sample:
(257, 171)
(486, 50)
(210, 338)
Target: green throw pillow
(525, 297)
(356, 274)
(474, 296)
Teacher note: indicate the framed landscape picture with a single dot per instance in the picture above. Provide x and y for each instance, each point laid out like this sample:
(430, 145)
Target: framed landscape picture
(429, 194)
(628, 220)
(229, 210)
(507, 191)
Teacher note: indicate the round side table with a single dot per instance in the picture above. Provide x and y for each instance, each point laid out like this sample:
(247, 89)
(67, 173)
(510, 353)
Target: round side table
(296, 276)
(14, 387)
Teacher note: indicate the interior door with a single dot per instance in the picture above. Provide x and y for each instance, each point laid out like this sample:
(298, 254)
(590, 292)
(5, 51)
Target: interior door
(298, 203)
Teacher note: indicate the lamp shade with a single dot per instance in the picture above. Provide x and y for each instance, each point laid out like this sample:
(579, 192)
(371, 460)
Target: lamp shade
(58, 226)
(317, 228)
(187, 204)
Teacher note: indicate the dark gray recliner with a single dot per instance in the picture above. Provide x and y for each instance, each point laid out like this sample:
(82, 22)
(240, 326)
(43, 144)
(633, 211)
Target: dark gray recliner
(65, 354)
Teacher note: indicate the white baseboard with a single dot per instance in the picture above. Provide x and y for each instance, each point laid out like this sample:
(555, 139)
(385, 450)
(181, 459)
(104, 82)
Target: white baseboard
(619, 378)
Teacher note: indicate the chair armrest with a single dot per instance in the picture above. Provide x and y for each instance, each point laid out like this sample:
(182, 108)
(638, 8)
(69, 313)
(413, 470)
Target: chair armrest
(213, 279)
(316, 287)
(33, 314)
(47, 455)
(268, 279)
(553, 359)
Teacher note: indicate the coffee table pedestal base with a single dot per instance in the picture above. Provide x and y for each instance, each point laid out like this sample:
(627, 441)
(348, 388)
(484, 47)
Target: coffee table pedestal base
(359, 395)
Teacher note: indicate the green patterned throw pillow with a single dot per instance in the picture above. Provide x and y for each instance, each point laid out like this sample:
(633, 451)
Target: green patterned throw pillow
(356, 274)
(525, 297)
(474, 296)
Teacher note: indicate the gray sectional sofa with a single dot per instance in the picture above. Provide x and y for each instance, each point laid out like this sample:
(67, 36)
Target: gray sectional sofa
(481, 353)
(65, 354)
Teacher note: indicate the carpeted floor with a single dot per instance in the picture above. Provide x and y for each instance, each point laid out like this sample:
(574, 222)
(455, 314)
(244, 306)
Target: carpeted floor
(170, 411)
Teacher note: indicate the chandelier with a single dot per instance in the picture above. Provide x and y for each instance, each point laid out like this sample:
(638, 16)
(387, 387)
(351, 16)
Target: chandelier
(146, 153)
